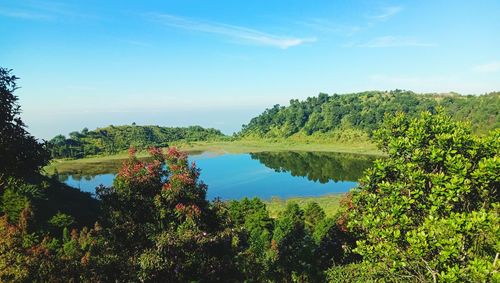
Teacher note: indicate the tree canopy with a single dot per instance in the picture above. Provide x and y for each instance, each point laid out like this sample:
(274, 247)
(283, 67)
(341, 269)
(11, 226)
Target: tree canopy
(430, 210)
(113, 139)
(365, 112)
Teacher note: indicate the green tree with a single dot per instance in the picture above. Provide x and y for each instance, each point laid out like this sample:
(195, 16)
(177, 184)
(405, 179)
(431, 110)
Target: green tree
(20, 153)
(117, 138)
(313, 214)
(337, 115)
(430, 210)
(253, 257)
(292, 247)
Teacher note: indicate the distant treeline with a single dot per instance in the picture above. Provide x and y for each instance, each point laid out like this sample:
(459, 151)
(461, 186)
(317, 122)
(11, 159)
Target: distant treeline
(365, 111)
(113, 139)
(347, 116)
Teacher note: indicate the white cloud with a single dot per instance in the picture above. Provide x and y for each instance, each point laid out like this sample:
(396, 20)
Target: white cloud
(491, 67)
(386, 13)
(395, 41)
(242, 34)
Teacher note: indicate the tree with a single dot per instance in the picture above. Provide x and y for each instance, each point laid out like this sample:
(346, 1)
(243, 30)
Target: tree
(21, 154)
(292, 246)
(430, 209)
(117, 138)
(251, 219)
(313, 214)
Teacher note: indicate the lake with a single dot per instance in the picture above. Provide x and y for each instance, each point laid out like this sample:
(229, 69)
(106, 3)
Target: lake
(264, 174)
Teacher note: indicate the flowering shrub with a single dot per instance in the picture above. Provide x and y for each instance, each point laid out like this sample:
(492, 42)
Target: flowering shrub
(163, 226)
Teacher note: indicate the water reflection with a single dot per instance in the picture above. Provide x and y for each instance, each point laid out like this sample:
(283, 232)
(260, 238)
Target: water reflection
(317, 166)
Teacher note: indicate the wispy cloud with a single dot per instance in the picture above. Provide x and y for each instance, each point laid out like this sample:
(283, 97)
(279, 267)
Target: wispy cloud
(386, 13)
(491, 67)
(328, 26)
(394, 41)
(234, 32)
(42, 11)
(24, 15)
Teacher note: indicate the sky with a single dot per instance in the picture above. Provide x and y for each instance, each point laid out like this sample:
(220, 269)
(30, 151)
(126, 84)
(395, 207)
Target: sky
(219, 63)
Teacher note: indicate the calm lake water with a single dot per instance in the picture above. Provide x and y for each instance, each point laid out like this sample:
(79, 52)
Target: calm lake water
(264, 175)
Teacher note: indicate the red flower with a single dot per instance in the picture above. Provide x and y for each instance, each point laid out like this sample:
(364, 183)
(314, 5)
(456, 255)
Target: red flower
(132, 151)
(180, 207)
(157, 153)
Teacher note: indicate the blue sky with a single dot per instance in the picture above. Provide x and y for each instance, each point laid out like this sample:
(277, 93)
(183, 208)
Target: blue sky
(218, 63)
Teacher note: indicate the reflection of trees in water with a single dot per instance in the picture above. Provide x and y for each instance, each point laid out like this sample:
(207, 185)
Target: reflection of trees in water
(63, 177)
(317, 166)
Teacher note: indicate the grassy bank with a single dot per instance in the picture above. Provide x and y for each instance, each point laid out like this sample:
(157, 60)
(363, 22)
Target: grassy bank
(111, 163)
(89, 165)
(246, 146)
(329, 203)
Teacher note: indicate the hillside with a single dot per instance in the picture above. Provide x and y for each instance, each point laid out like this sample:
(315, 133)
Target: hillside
(365, 112)
(113, 139)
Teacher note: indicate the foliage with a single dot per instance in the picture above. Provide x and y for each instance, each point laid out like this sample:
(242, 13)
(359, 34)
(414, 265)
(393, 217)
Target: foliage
(253, 242)
(113, 139)
(292, 246)
(21, 154)
(344, 116)
(62, 220)
(16, 196)
(27, 257)
(288, 248)
(48, 198)
(430, 210)
(313, 214)
(361, 273)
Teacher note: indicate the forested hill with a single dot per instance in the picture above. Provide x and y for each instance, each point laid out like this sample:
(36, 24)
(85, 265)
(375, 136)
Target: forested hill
(365, 111)
(116, 138)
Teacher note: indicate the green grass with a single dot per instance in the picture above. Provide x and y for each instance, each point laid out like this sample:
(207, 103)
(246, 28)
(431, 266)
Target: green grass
(329, 203)
(111, 163)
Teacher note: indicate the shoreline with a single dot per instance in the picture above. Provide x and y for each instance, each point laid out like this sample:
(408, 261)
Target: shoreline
(95, 164)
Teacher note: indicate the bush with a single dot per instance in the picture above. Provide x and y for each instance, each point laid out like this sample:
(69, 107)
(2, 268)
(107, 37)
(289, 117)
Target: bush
(430, 210)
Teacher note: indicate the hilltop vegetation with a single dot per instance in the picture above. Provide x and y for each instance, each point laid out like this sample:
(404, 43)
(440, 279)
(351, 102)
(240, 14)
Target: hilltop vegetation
(337, 120)
(114, 139)
(357, 115)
